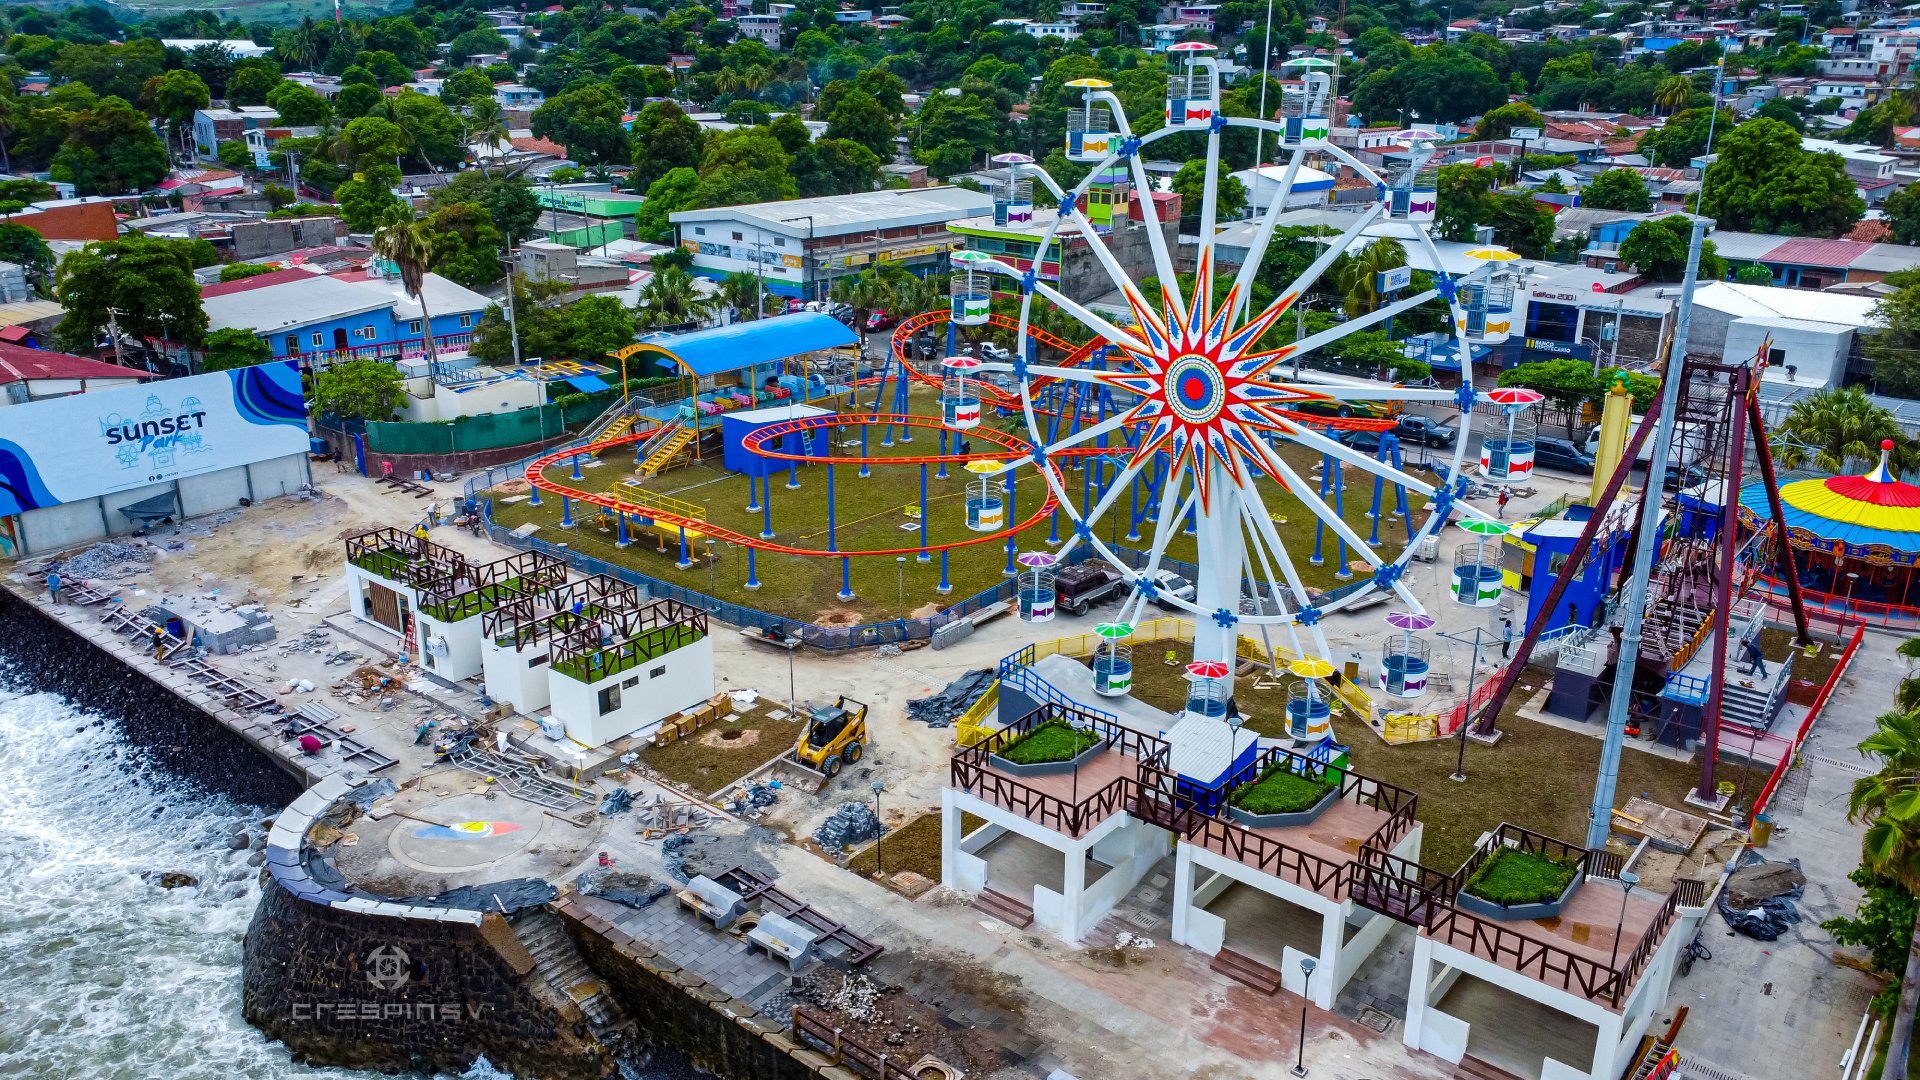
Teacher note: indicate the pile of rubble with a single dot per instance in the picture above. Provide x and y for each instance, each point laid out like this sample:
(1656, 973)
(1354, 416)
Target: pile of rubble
(108, 559)
(852, 996)
(852, 823)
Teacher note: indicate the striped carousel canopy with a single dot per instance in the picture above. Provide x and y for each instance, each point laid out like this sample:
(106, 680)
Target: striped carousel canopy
(1855, 511)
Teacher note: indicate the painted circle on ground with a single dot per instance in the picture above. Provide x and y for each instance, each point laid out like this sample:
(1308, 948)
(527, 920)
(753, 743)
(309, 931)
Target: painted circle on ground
(1195, 389)
(463, 832)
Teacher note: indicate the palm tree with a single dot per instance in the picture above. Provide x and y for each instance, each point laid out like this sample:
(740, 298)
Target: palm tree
(1842, 425)
(486, 124)
(408, 245)
(862, 292)
(670, 299)
(1888, 802)
(1359, 273)
(743, 292)
(1673, 93)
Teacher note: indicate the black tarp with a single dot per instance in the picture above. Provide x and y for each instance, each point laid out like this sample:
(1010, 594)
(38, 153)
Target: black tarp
(943, 708)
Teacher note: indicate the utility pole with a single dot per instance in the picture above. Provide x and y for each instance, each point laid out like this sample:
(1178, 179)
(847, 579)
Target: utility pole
(513, 324)
(1266, 66)
(1600, 815)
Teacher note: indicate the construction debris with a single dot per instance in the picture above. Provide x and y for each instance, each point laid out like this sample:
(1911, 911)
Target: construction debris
(672, 861)
(852, 823)
(1758, 899)
(108, 559)
(632, 890)
(943, 708)
(660, 816)
(617, 801)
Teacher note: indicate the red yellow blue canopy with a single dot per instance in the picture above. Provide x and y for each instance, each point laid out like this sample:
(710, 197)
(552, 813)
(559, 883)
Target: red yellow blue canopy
(1855, 511)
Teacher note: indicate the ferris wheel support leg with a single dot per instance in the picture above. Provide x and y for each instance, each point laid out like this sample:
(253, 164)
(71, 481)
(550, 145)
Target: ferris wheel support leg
(925, 521)
(1220, 549)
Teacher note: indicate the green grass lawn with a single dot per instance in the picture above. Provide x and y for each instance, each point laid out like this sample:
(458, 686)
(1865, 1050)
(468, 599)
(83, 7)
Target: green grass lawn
(1055, 740)
(869, 514)
(722, 752)
(1282, 791)
(1511, 876)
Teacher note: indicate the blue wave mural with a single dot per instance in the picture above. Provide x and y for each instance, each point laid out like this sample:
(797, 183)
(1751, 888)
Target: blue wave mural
(21, 488)
(269, 394)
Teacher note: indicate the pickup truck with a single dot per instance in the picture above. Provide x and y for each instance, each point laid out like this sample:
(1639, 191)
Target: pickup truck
(1083, 585)
(1425, 430)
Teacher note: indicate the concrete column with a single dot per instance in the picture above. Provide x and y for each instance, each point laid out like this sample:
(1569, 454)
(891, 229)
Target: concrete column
(1182, 890)
(1073, 890)
(1609, 1056)
(949, 836)
(1417, 987)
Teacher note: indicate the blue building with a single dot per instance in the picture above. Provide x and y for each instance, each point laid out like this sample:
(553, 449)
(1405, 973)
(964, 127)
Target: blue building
(322, 319)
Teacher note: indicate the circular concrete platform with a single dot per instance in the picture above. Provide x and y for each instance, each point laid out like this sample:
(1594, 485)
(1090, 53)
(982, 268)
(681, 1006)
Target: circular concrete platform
(472, 832)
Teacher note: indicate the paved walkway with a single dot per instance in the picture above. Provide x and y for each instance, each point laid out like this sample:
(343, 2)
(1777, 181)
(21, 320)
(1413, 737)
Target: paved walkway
(1784, 1008)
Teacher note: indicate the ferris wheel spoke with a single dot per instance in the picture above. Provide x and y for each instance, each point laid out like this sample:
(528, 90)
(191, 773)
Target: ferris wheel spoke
(1257, 251)
(1304, 492)
(1098, 325)
(1343, 392)
(1313, 440)
(1313, 342)
(1260, 520)
(1097, 243)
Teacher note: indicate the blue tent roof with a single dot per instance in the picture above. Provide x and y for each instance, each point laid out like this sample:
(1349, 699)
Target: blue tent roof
(588, 384)
(745, 344)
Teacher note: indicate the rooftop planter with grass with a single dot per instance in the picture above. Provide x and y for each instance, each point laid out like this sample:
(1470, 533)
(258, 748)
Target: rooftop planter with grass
(591, 667)
(1055, 746)
(1514, 884)
(1283, 798)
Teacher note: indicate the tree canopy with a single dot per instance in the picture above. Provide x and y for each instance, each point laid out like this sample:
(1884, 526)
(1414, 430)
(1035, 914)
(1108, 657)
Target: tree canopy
(1763, 181)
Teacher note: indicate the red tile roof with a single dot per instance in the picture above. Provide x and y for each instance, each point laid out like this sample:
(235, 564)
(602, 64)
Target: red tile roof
(257, 281)
(19, 363)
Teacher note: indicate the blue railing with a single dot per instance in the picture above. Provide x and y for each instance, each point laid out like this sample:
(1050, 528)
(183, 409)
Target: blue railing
(1016, 670)
(1687, 689)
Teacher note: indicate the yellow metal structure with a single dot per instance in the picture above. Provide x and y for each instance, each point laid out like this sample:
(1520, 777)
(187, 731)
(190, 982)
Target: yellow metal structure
(1616, 416)
(665, 454)
(972, 725)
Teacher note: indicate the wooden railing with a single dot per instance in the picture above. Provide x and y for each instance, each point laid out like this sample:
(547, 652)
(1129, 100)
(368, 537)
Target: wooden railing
(1269, 856)
(972, 771)
(1519, 953)
(473, 590)
(820, 1032)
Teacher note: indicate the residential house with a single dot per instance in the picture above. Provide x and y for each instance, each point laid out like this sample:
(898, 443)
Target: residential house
(764, 29)
(321, 319)
(37, 374)
(211, 127)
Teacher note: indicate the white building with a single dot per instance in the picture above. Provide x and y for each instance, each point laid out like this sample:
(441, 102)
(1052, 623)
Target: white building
(801, 245)
(764, 29)
(1311, 187)
(241, 48)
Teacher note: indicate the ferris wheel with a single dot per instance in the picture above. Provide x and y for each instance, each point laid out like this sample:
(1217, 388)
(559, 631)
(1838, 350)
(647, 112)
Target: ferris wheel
(1197, 390)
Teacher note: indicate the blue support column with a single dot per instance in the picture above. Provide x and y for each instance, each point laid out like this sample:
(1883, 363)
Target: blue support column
(1319, 526)
(925, 521)
(1013, 539)
(753, 492)
(864, 470)
(1133, 515)
(793, 469)
(566, 512)
(766, 507)
(685, 560)
(945, 586)
(535, 500)
(1339, 481)
(846, 578)
(753, 575)
(942, 475)
(1053, 526)
(576, 467)
(830, 542)
(900, 388)
(624, 540)
(886, 433)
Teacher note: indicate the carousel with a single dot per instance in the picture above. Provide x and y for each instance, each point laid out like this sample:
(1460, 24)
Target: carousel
(1856, 537)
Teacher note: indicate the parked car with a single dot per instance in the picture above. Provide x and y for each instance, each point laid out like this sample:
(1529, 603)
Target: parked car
(1166, 584)
(990, 351)
(1426, 431)
(880, 320)
(1083, 585)
(1561, 454)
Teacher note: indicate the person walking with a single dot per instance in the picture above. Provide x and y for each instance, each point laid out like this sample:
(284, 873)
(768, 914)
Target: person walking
(1754, 657)
(1506, 638)
(53, 587)
(1505, 494)
(159, 642)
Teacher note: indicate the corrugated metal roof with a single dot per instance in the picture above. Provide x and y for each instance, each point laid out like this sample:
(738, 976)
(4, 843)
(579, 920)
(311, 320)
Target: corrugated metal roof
(1807, 251)
(742, 345)
(1886, 258)
(1745, 246)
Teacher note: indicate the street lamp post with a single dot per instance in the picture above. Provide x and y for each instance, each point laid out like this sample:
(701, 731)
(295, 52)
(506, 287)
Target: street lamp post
(880, 831)
(1460, 763)
(1306, 974)
(1628, 880)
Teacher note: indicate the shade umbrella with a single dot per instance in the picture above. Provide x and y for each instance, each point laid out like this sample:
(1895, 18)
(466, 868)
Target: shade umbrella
(1113, 631)
(1309, 62)
(984, 466)
(970, 257)
(1414, 135)
(1089, 84)
(1011, 159)
(1035, 560)
(1208, 669)
(1190, 46)
(1492, 254)
(1408, 622)
(1513, 399)
(1481, 529)
(1311, 668)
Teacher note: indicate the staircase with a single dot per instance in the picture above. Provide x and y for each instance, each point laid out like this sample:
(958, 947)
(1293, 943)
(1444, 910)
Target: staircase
(1005, 908)
(544, 935)
(1750, 707)
(1246, 970)
(620, 426)
(660, 451)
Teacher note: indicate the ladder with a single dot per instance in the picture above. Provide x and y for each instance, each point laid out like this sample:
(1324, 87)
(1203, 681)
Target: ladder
(665, 450)
(620, 426)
